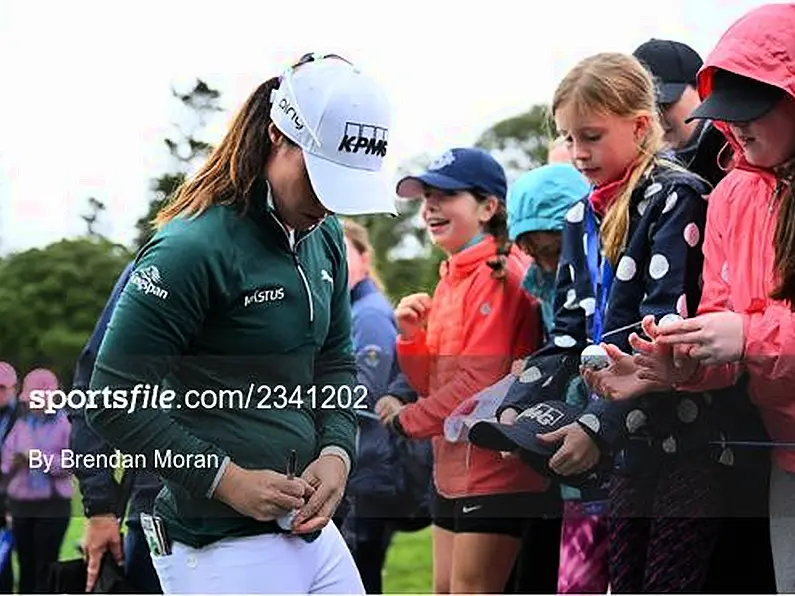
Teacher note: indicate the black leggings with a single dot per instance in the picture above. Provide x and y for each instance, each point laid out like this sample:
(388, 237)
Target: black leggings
(663, 526)
(38, 544)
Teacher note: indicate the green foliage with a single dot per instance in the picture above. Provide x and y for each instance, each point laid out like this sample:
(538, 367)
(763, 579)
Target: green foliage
(50, 299)
(520, 143)
(186, 150)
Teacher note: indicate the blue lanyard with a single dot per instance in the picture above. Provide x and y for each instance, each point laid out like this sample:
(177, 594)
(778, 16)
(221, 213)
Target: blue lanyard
(600, 291)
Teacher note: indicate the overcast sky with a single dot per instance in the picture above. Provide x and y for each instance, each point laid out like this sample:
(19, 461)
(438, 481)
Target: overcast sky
(86, 101)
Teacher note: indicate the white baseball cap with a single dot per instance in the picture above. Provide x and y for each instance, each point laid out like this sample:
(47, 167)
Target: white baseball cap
(340, 118)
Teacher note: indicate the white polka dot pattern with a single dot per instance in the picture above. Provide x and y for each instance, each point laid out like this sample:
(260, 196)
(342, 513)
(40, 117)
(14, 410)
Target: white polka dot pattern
(626, 269)
(636, 419)
(576, 213)
(591, 421)
(588, 305)
(658, 266)
(571, 299)
(670, 202)
(652, 190)
(564, 341)
(681, 306)
(687, 411)
(530, 375)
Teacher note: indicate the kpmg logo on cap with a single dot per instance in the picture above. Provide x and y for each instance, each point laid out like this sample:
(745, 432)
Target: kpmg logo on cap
(370, 139)
(542, 413)
(442, 161)
(290, 112)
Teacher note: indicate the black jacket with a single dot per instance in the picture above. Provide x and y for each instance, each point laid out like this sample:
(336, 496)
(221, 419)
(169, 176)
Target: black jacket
(702, 153)
(99, 490)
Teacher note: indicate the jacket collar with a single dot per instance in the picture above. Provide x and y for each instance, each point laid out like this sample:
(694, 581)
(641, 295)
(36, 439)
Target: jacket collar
(263, 210)
(463, 263)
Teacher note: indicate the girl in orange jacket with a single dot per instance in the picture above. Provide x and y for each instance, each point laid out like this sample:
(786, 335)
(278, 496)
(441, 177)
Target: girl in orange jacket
(452, 346)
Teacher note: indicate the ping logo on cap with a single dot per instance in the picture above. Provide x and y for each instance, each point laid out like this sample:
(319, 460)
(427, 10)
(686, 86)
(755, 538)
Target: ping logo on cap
(542, 413)
(369, 137)
(290, 112)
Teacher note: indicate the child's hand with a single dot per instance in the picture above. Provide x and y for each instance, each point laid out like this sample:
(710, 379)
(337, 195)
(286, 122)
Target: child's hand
(412, 313)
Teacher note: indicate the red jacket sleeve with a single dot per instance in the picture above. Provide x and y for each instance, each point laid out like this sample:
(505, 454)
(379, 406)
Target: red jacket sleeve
(716, 291)
(770, 350)
(500, 324)
(414, 360)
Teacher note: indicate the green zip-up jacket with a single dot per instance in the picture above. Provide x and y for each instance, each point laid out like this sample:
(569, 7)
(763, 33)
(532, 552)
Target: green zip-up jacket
(235, 308)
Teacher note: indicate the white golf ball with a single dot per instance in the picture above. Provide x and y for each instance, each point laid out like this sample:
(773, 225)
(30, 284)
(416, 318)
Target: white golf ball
(594, 357)
(669, 319)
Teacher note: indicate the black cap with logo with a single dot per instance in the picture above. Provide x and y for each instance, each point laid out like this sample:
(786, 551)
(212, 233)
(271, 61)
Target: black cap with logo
(521, 437)
(673, 64)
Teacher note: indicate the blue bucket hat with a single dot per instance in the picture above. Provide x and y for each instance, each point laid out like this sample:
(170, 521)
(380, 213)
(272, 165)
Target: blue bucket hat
(461, 168)
(539, 199)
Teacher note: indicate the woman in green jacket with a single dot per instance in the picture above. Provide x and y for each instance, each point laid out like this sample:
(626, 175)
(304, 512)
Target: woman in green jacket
(229, 352)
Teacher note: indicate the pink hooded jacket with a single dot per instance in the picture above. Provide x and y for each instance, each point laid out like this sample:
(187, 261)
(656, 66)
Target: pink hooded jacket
(741, 222)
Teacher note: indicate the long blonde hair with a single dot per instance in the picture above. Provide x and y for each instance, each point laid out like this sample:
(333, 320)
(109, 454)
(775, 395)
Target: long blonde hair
(617, 84)
(360, 239)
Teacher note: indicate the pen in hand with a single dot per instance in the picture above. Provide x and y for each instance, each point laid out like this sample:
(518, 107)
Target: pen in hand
(291, 464)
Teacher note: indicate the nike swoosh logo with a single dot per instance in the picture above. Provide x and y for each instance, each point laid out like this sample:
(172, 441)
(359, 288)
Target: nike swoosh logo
(470, 509)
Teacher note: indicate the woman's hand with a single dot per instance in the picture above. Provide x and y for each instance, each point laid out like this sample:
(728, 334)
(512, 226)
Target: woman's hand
(412, 313)
(261, 494)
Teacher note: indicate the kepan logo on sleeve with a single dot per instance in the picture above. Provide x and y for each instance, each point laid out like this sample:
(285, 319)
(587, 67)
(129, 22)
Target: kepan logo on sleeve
(371, 139)
(264, 295)
(148, 281)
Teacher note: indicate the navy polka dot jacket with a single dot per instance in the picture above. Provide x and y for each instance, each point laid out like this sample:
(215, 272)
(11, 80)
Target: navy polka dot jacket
(658, 273)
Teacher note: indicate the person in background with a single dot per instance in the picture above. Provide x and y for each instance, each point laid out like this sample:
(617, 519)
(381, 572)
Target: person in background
(742, 563)
(98, 488)
(371, 493)
(699, 145)
(39, 495)
(744, 324)
(537, 206)
(454, 345)
(8, 415)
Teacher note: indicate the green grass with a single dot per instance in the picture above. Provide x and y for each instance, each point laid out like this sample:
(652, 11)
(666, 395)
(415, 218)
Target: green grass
(408, 567)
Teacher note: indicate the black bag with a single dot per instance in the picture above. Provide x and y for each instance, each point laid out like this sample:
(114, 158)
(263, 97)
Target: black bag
(69, 577)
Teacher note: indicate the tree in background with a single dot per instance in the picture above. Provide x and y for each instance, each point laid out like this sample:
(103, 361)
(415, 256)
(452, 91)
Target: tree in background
(50, 299)
(96, 207)
(186, 149)
(520, 143)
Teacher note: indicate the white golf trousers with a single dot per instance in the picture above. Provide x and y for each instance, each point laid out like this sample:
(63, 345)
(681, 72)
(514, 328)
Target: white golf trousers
(264, 564)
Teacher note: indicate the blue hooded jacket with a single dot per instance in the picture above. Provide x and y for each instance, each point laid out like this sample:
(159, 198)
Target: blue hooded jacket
(538, 202)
